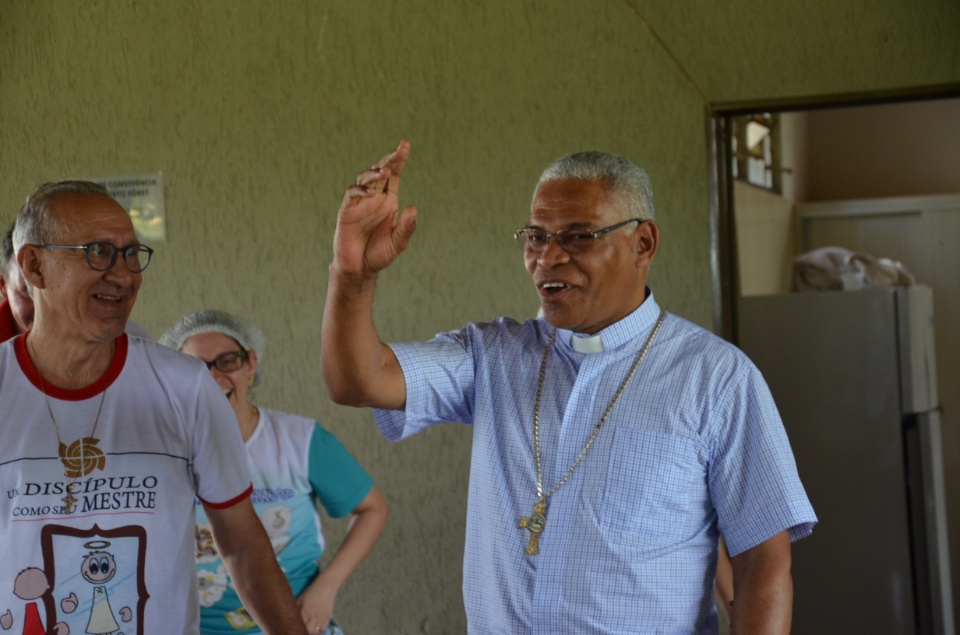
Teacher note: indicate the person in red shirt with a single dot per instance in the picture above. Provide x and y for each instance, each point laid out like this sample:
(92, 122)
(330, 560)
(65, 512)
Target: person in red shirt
(16, 310)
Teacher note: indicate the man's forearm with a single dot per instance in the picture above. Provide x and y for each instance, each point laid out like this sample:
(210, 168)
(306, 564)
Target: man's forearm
(265, 593)
(763, 589)
(248, 556)
(358, 369)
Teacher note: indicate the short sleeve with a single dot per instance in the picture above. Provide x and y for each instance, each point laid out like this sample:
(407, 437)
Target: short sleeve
(753, 479)
(219, 459)
(440, 378)
(338, 480)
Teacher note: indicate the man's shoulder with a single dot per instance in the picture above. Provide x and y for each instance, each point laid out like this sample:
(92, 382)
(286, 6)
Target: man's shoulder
(697, 341)
(688, 329)
(163, 359)
(136, 330)
(503, 333)
(508, 327)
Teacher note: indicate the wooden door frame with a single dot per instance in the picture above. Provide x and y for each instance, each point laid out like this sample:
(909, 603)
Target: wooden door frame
(723, 240)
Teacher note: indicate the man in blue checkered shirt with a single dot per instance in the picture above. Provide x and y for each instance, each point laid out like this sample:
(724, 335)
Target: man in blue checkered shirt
(613, 443)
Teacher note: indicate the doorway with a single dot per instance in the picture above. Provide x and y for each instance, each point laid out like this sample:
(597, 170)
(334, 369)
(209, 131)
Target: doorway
(894, 165)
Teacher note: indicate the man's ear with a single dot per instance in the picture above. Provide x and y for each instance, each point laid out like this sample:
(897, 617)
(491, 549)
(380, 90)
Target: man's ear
(3, 286)
(647, 239)
(31, 265)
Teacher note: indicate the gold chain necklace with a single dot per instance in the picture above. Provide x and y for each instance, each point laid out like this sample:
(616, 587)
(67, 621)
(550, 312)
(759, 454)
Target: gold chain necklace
(536, 522)
(80, 457)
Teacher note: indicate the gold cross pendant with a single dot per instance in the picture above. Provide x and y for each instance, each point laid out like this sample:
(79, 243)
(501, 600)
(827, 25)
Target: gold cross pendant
(68, 502)
(535, 523)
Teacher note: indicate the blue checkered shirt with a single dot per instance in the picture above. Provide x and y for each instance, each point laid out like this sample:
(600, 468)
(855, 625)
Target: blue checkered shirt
(693, 448)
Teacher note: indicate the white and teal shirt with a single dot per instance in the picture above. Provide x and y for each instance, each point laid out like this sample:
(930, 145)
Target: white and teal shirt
(294, 462)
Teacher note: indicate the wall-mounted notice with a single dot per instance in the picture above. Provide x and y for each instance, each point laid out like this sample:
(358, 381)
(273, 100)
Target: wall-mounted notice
(142, 196)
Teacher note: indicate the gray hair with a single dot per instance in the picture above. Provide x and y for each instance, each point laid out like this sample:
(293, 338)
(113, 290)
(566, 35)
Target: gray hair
(628, 184)
(36, 223)
(247, 334)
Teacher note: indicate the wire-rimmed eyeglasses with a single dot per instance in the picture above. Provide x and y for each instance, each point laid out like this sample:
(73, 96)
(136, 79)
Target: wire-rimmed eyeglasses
(101, 256)
(228, 362)
(573, 241)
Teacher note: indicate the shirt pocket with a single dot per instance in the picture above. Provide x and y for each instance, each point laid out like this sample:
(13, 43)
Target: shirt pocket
(655, 492)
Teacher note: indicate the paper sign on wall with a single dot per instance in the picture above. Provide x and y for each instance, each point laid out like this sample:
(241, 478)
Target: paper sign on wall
(142, 196)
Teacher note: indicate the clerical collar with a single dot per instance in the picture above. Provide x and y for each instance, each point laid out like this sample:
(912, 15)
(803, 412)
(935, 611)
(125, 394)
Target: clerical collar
(616, 336)
(587, 343)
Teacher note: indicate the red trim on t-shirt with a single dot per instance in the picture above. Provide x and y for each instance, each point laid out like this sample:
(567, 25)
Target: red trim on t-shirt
(94, 389)
(231, 502)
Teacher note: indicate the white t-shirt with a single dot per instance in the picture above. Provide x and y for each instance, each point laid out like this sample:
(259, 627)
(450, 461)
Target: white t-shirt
(122, 559)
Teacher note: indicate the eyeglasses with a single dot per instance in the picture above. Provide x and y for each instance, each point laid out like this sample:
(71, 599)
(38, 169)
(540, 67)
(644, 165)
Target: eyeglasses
(572, 241)
(228, 362)
(102, 256)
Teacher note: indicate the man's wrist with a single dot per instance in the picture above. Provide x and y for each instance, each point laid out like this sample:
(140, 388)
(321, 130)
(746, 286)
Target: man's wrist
(354, 281)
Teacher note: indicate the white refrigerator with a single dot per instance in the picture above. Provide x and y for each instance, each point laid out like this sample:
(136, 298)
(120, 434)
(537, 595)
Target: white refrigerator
(853, 374)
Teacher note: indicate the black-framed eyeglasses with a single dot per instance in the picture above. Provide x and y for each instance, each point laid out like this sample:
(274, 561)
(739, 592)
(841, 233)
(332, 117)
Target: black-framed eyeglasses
(228, 362)
(573, 241)
(102, 256)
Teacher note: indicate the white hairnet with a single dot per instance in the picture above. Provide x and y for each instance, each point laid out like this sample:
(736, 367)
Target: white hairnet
(246, 333)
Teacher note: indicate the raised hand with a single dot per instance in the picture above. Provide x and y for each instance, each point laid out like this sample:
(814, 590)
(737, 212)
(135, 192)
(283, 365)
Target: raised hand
(370, 233)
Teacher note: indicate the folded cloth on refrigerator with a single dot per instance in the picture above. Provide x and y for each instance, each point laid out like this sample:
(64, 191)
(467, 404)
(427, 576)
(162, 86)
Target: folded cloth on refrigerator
(839, 269)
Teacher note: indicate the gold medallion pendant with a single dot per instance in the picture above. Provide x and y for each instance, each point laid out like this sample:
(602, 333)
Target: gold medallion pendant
(81, 457)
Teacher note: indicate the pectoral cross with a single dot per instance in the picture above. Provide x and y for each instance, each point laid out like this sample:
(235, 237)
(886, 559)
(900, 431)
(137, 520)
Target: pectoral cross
(535, 523)
(68, 502)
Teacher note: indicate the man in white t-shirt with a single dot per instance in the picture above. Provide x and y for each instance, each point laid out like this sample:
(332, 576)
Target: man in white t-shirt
(107, 442)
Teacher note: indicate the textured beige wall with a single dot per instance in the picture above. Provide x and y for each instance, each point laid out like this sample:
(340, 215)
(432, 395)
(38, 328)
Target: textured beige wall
(761, 50)
(259, 113)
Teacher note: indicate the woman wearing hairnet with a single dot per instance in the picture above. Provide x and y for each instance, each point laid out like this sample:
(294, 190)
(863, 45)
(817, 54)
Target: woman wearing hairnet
(294, 462)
